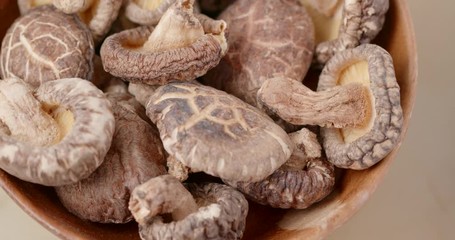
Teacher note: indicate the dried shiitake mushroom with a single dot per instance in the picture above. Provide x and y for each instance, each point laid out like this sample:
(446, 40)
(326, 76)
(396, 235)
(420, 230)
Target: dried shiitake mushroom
(211, 131)
(304, 179)
(57, 134)
(136, 155)
(179, 48)
(344, 24)
(98, 15)
(142, 92)
(46, 44)
(357, 94)
(147, 12)
(204, 211)
(266, 38)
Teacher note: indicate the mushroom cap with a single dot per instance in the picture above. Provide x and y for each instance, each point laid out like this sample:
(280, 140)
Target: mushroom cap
(384, 126)
(209, 130)
(362, 20)
(221, 214)
(100, 16)
(139, 15)
(290, 187)
(266, 38)
(135, 156)
(46, 44)
(122, 58)
(79, 152)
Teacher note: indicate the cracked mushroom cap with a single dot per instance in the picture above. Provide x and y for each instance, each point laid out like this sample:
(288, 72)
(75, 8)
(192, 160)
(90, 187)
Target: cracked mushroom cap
(266, 38)
(204, 211)
(304, 179)
(211, 131)
(46, 44)
(135, 156)
(363, 146)
(179, 48)
(344, 24)
(147, 12)
(57, 134)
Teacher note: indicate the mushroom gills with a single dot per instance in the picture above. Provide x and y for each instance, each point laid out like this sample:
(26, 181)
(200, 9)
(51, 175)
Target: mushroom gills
(327, 21)
(36, 3)
(148, 4)
(90, 11)
(63, 117)
(358, 73)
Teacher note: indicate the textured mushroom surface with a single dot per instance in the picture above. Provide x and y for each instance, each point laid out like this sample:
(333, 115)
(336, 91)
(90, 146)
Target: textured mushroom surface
(135, 156)
(211, 131)
(27, 5)
(363, 146)
(266, 38)
(179, 48)
(220, 211)
(304, 179)
(85, 128)
(46, 44)
(142, 92)
(345, 106)
(345, 24)
(147, 12)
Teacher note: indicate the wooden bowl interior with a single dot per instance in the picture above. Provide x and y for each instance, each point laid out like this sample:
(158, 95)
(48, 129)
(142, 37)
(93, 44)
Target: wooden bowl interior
(353, 190)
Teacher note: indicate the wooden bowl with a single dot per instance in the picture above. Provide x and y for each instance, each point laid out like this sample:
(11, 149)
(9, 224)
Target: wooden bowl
(353, 189)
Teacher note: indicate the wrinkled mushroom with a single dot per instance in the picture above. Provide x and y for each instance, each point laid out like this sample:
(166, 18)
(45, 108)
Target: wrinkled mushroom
(304, 179)
(204, 211)
(57, 134)
(356, 84)
(136, 155)
(266, 38)
(211, 131)
(45, 45)
(98, 15)
(179, 48)
(344, 24)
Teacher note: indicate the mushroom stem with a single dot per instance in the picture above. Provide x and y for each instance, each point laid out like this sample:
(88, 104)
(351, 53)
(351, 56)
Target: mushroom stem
(177, 28)
(23, 115)
(339, 107)
(306, 146)
(148, 4)
(177, 169)
(160, 195)
(72, 6)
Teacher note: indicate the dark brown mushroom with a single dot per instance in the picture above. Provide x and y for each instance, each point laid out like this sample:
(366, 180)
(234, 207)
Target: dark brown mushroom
(304, 179)
(57, 134)
(204, 211)
(344, 24)
(46, 44)
(136, 155)
(211, 131)
(179, 48)
(266, 38)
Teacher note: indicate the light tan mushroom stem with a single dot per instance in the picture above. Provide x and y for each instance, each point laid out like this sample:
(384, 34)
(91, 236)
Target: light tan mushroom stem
(177, 169)
(148, 4)
(160, 195)
(23, 115)
(177, 28)
(142, 92)
(344, 106)
(306, 147)
(72, 6)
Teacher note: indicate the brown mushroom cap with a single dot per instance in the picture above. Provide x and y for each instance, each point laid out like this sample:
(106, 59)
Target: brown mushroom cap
(305, 179)
(362, 147)
(145, 12)
(177, 49)
(209, 130)
(135, 156)
(266, 38)
(345, 24)
(86, 125)
(220, 211)
(46, 44)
